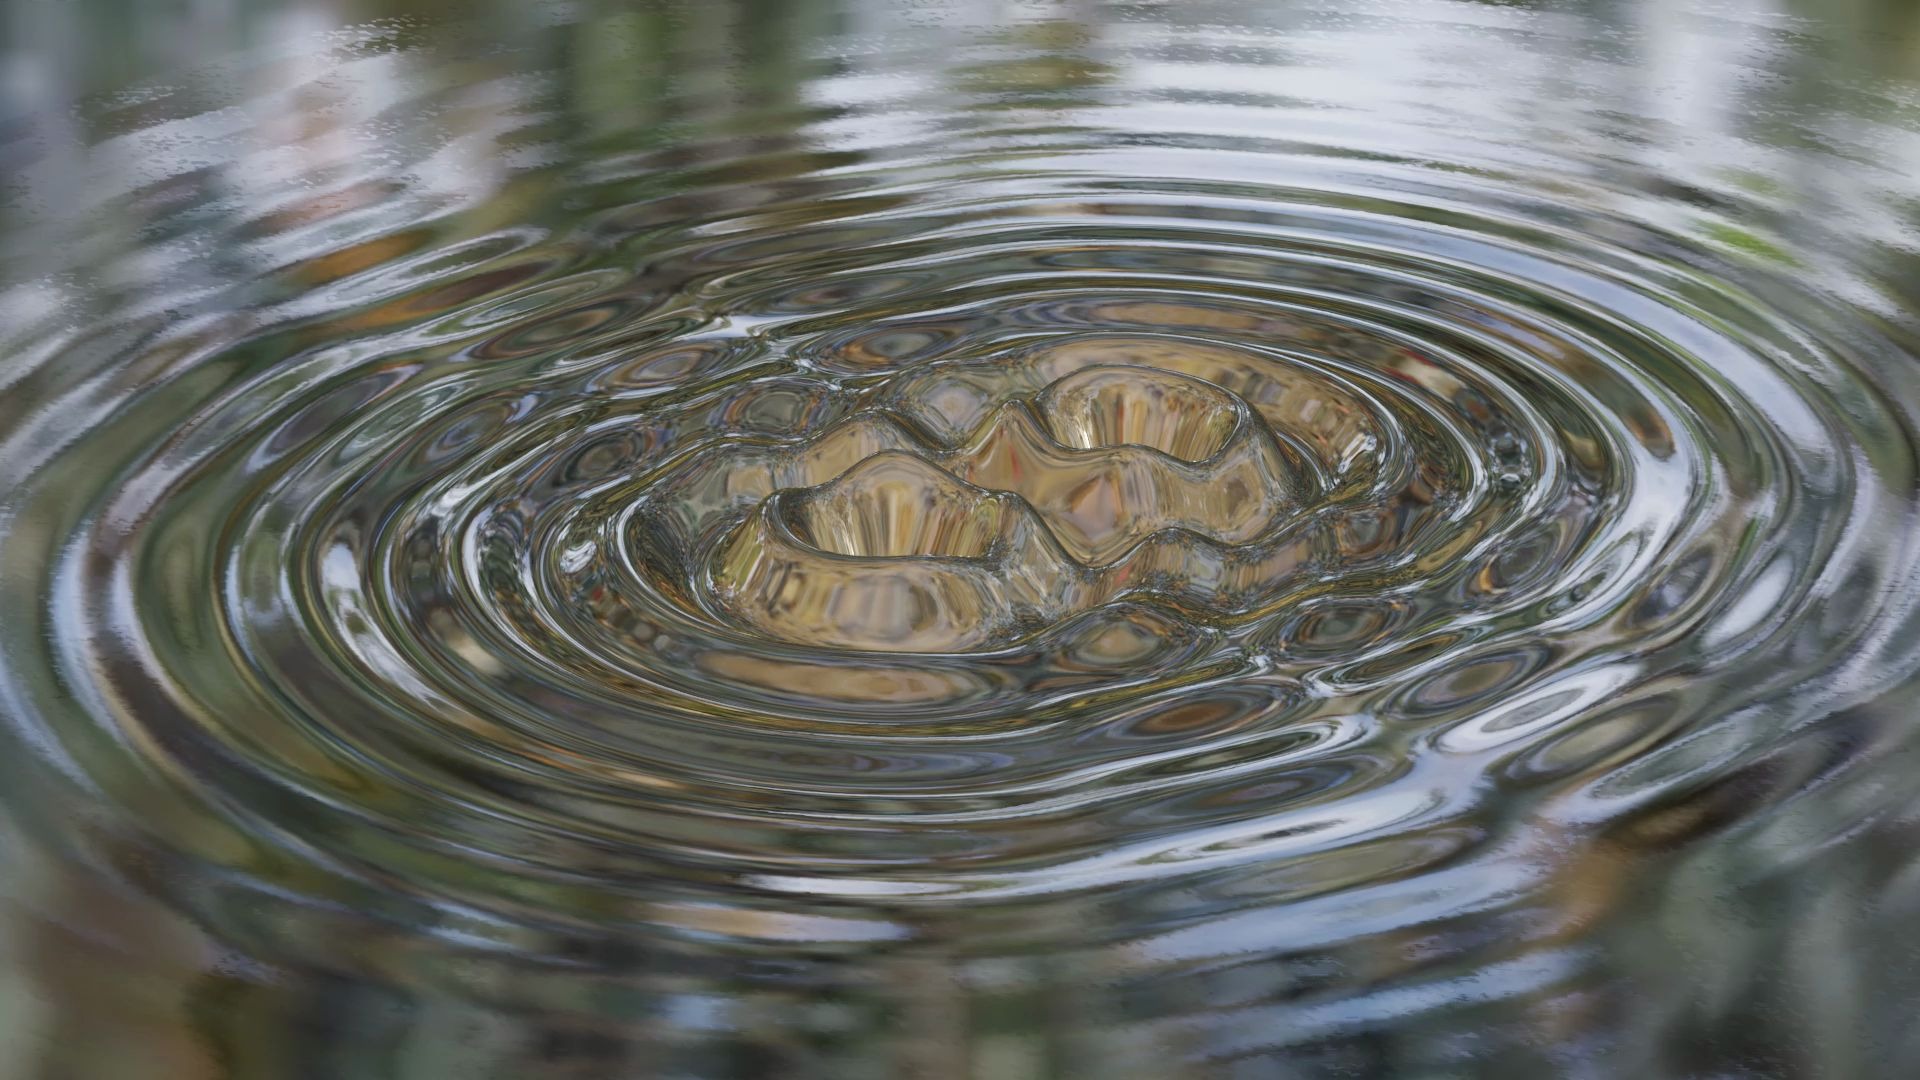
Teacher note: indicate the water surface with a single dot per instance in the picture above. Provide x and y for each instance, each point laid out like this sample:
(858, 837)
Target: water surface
(845, 539)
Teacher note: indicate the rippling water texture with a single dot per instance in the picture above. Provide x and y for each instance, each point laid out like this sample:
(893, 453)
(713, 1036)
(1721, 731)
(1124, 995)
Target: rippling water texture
(992, 540)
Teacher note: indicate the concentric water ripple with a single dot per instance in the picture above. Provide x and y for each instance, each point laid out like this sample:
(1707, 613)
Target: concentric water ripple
(1029, 545)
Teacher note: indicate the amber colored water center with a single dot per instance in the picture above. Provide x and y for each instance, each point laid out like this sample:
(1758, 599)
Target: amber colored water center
(1045, 510)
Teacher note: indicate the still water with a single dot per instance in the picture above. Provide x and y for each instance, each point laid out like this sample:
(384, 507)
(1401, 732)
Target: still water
(1230, 538)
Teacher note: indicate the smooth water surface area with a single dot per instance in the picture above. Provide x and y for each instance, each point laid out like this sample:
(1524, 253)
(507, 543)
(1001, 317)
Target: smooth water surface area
(991, 540)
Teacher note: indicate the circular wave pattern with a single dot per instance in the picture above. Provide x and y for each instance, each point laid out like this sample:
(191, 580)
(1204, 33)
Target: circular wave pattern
(738, 577)
(1184, 541)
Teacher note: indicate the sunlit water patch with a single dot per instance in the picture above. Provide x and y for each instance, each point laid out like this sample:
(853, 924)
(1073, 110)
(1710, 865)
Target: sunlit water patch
(843, 540)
